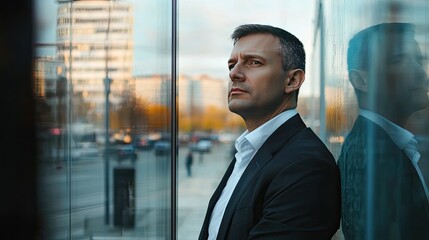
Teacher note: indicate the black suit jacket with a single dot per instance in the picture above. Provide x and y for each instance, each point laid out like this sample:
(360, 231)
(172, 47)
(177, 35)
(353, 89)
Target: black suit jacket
(290, 190)
(382, 195)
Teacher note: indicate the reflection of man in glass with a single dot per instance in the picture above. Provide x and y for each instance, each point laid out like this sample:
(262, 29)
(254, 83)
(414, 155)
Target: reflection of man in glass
(383, 191)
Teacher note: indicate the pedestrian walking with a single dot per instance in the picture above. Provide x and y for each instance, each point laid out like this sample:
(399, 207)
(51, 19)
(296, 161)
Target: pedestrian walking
(189, 161)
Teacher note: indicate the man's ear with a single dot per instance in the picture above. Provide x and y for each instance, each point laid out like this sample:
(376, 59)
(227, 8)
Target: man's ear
(294, 81)
(358, 79)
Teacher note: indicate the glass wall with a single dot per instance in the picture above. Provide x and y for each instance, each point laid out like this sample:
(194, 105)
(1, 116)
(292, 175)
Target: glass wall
(116, 127)
(105, 132)
(133, 131)
(204, 119)
(372, 58)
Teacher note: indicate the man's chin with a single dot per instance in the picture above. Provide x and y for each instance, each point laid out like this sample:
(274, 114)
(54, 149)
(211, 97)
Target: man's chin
(236, 107)
(232, 109)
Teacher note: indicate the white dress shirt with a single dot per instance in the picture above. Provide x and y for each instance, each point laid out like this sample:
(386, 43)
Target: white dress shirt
(247, 145)
(402, 138)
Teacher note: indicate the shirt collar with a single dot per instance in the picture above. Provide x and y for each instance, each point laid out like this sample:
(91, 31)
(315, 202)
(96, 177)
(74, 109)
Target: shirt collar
(399, 135)
(258, 136)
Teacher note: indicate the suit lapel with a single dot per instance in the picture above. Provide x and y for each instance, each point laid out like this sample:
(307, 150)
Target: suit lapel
(250, 172)
(221, 186)
(261, 158)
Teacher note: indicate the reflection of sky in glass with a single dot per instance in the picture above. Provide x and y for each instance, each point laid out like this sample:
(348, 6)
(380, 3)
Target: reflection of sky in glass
(204, 29)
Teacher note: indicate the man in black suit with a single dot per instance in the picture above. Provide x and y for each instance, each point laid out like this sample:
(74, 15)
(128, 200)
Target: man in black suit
(283, 182)
(383, 190)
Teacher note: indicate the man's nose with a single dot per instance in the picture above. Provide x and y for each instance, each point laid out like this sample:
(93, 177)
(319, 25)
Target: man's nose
(236, 73)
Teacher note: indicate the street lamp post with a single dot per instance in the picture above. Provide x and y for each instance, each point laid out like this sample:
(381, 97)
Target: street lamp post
(107, 82)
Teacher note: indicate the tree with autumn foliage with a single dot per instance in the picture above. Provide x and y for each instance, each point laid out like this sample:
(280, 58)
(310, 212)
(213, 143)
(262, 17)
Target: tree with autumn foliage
(335, 118)
(209, 119)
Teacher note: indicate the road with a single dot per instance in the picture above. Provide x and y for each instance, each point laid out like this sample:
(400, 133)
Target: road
(72, 197)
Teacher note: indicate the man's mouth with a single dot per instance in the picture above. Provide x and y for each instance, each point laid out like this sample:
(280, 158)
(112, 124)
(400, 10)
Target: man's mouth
(235, 91)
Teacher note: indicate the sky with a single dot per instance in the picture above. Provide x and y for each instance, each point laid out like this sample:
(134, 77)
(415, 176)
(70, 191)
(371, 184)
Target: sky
(204, 29)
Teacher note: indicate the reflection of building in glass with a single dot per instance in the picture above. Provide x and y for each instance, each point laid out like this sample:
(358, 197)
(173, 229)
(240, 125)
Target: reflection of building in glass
(95, 40)
(50, 87)
(196, 92)
(153, 88)
(48, 74)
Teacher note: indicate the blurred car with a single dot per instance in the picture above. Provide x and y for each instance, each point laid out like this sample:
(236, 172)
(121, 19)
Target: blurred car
(87, 150)
(202, 146)
(123, 152)
(143, 143)
(82, 150)
(162, 147)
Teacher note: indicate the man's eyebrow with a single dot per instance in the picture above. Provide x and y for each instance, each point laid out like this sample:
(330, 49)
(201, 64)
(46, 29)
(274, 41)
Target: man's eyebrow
(246, 56)
(252, 55)
(231, 60)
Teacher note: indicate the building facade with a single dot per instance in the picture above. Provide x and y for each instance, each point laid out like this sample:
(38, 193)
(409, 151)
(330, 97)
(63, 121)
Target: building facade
(95, 41)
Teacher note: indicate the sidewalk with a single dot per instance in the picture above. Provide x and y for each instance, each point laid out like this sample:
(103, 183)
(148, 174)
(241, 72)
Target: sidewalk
(195, 191)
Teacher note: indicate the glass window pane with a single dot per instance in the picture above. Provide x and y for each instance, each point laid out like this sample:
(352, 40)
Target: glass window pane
(103, 88)
(103, 84)
(376, 99)
(205, 46)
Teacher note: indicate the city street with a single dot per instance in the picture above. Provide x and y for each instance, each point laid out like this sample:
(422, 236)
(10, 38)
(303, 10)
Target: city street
(72, 196)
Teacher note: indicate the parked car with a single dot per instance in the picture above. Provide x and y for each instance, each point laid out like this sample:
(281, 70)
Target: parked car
(162, 147)
(202, 146)
(87, 150)
(123, 152)
(143, 143)
(82, 150)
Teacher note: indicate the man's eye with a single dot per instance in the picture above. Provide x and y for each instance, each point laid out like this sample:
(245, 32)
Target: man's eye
(253, 62)
(231, 66)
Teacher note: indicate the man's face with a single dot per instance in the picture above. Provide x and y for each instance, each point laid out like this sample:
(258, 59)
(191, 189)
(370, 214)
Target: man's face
(258, 81)
(405, 81)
